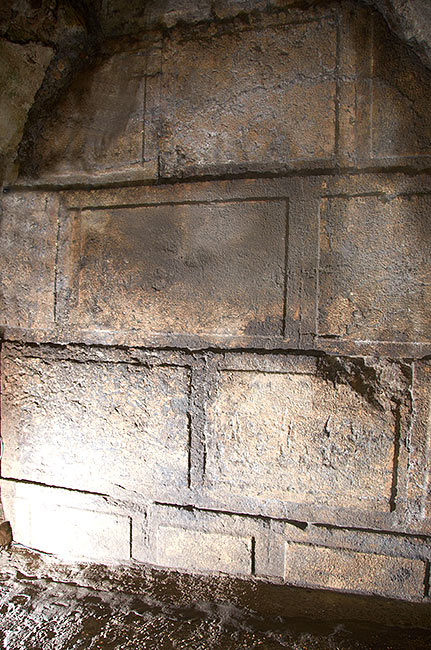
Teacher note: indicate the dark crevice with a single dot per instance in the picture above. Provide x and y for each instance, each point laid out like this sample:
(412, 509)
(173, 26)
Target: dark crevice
(366, 378)
(78, 45)
(395, 466)
(91, 184)
(10, 479)
(427, 580)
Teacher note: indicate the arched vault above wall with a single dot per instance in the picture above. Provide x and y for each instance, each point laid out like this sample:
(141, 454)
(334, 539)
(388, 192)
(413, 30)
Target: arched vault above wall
(43, 45)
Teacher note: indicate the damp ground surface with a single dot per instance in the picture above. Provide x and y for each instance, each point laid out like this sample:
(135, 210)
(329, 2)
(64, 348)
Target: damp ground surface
(43, 614)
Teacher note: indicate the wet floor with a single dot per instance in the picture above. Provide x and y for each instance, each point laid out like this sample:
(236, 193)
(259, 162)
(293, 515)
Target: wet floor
(43, 614)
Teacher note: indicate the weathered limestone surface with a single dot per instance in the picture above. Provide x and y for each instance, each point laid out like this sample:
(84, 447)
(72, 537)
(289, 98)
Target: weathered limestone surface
(284, 90)
(340, 569)
(361, 271)
(237, 99)
(403, 84)
(97, 126)
(420, 483)
(154, 268)
(228, 375)
(131, 423)
(299, 437)
(67, 523)
(204, 550)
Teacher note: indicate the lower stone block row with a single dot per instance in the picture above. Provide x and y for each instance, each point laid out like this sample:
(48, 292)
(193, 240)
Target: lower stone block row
(74, 525)
(315, 439)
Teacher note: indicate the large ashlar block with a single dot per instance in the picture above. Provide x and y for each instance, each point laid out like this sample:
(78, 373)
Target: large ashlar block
(203, 551)
(264, 97)
(95, 426)
(299, 438)
(197, 540)
(194, 269)
(28, 236)
(328, 568)
(375, 268)
(69, 524)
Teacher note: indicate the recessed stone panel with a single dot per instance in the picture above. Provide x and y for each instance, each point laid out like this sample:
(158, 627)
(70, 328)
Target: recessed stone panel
(204, 551)
(95, 426)
(216, 268)
(299, 438)
(419, 479)
(67, 523)
(328, 568)
(262, 97)
(375, 268)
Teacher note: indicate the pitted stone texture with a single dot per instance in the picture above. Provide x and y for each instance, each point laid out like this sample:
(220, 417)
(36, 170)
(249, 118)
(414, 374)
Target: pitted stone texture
(28, 234)
(95, 426)
(200, 268)
(299, 438)
(346, 570)
(238, 99)
(375, 268)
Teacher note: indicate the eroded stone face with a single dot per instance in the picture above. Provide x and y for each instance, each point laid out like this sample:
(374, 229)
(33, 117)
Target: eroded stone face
(28, 234)
(22, 69)
(402, 83)
(297, 437)
(97, 127)
(204, 550)
(341, 569)
(91, 426)
(249, 97)
(375, 268)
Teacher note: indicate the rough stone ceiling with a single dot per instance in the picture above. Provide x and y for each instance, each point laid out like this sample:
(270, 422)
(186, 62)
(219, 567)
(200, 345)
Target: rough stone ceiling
(68, 34)
(48, 21)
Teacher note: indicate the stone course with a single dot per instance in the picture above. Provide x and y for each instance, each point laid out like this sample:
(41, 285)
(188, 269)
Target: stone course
(215, 304)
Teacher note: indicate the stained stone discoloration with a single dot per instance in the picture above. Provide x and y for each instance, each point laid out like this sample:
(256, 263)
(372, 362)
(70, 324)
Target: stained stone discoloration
(181, 268)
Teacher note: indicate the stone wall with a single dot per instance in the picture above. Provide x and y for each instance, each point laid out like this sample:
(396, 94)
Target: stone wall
(216, 310)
